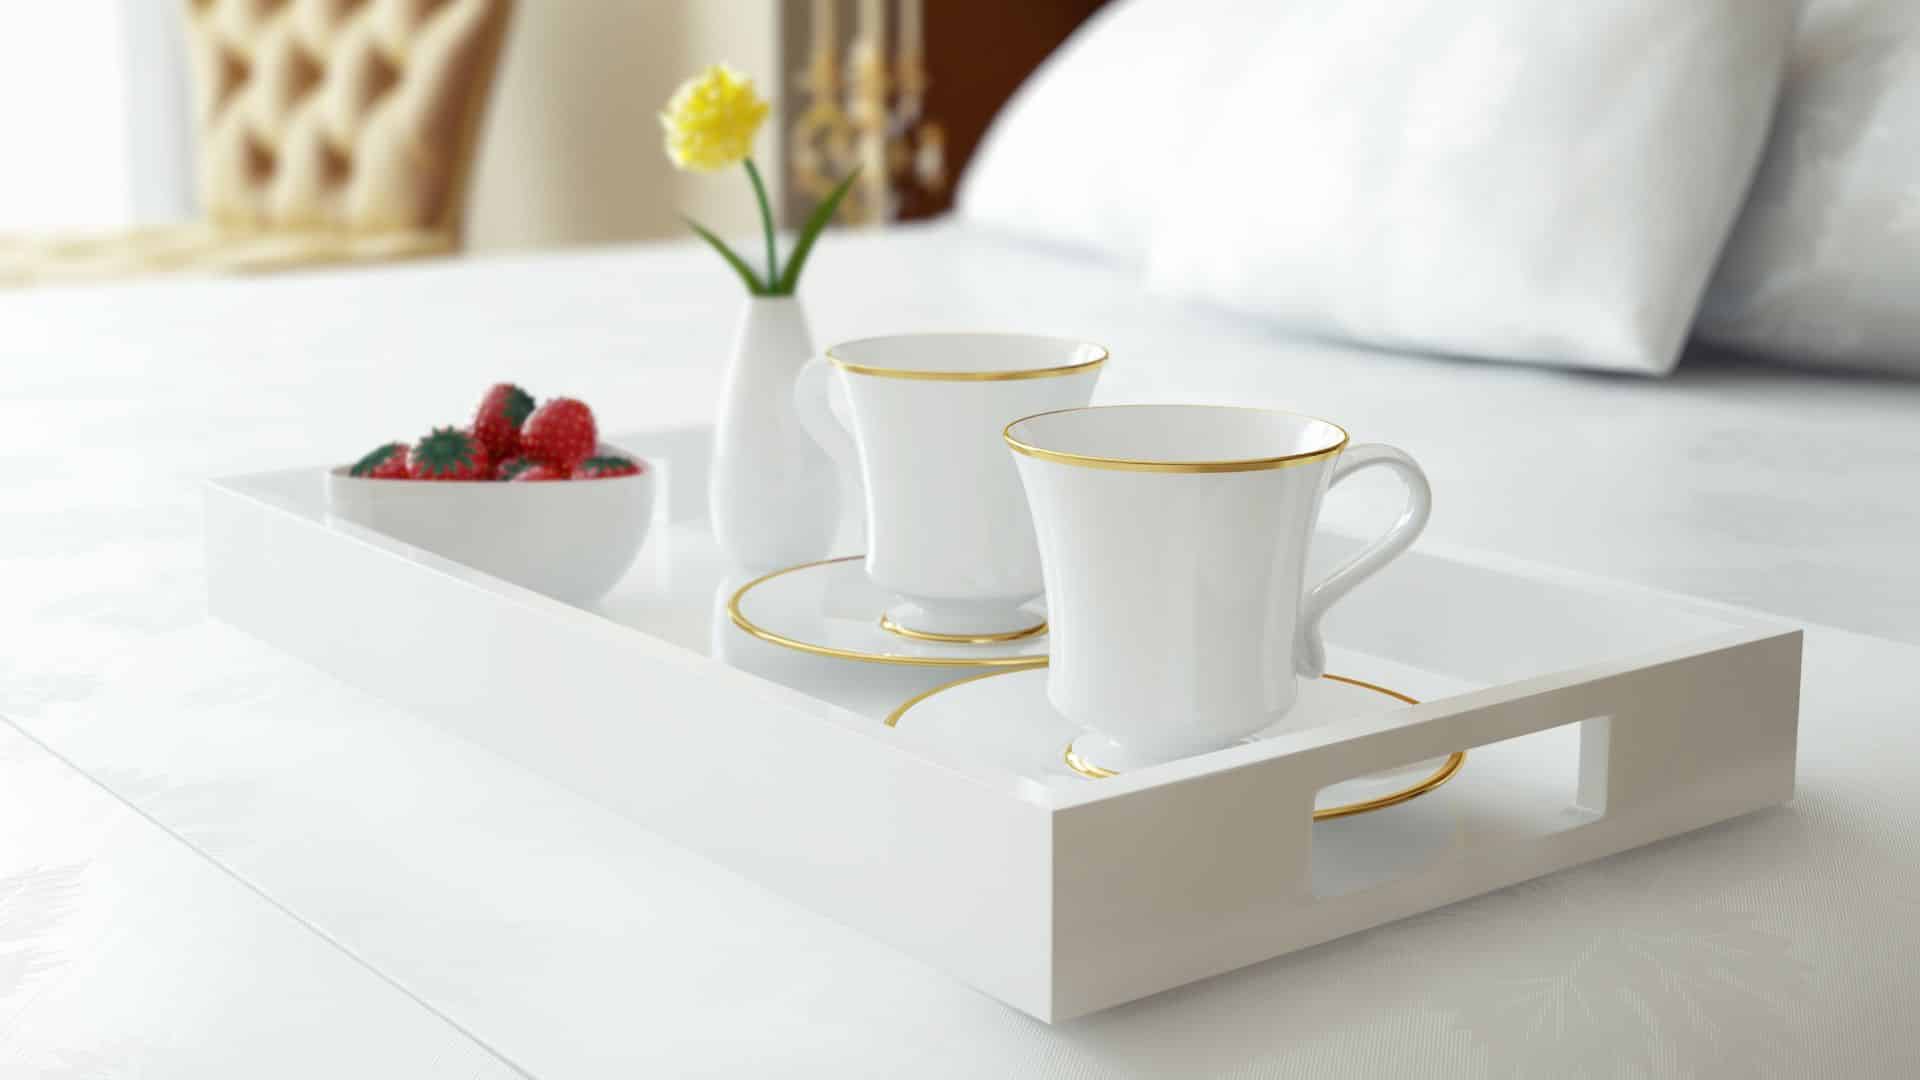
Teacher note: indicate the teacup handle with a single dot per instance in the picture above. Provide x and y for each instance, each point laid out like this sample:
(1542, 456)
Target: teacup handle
(812, 390)
(1311, 660)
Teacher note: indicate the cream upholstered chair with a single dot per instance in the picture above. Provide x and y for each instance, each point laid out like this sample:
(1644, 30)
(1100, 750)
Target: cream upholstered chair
(329, 131)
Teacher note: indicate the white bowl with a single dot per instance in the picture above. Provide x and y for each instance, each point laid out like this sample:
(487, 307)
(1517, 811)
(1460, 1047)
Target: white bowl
(570, 539)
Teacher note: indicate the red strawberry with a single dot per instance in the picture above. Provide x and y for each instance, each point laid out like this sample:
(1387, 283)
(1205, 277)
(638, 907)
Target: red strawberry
(388, 461)
(513, 467)
(534, 474)
(560, 433)
(497, 422)
(449, 453)
(594, 468)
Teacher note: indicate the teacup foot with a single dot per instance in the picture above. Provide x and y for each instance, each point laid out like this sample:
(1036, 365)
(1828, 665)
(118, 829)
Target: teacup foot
(1098, 756)
(1084, 767)
(887, 624)
(962, 626)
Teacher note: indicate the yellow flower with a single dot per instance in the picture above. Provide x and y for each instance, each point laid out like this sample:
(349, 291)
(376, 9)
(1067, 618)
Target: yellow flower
(711, 120)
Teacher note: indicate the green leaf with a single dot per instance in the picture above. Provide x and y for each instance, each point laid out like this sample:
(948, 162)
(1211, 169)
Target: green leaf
(810, 232)
(766, 220)
(518, 406)
(739, 265)
(377, 457)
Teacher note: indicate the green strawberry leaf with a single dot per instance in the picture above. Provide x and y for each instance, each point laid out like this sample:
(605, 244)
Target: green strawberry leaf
(517, 407)
(375, 458)
(445, 451)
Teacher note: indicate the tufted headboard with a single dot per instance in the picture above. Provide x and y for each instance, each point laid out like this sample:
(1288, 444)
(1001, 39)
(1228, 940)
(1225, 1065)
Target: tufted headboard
(350, 115)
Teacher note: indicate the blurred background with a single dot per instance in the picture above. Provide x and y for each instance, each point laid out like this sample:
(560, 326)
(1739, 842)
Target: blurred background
(570, 150)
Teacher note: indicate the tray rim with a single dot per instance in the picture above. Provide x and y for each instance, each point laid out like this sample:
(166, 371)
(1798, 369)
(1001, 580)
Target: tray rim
(1052, 854)
(1742, 627)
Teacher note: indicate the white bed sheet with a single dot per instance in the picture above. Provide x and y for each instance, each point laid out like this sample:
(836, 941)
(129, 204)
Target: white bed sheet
(1789, 491)
(1783, 941)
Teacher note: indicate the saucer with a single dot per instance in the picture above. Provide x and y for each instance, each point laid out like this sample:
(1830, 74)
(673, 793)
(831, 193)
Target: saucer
(831, 608)
(1005, 717)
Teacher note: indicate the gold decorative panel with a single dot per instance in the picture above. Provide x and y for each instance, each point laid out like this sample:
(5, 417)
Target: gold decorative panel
(869, 114)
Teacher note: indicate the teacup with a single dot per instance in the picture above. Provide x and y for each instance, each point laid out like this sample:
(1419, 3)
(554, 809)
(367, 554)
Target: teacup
(1174, 543)
(947, 524)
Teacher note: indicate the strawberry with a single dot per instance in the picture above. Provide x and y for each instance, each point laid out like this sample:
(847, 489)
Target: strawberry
(534, 474)
(497, 422)
(560, 433)
(604, 465)
(448, 453)
(513, 467)
(388, 461)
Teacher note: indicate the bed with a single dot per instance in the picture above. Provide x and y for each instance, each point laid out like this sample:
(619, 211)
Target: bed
(1756, 484)
(441, 917)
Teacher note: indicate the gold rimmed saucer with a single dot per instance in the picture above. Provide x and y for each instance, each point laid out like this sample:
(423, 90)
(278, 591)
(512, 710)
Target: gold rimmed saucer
(1005, 717)
(830, 608)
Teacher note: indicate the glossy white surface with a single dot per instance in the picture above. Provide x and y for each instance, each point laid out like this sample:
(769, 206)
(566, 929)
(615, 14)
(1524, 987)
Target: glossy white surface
(835, 608)
(774, 495)
(1006, 718)
(569, 539)
(947, 526)
(1759, 946)
(1640, 700)
(1180, 614)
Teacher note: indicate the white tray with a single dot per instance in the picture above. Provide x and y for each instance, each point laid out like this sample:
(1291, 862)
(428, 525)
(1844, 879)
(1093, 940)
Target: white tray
(1598, 718)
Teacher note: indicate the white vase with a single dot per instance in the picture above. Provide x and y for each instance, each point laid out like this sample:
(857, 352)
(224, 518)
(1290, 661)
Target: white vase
(774, 494)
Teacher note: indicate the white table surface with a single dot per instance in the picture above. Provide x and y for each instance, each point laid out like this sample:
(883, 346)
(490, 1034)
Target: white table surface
(358, 893)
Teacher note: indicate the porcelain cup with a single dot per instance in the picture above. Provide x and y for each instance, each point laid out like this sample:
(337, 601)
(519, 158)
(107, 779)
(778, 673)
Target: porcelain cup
(1174, 544)
(947, 524)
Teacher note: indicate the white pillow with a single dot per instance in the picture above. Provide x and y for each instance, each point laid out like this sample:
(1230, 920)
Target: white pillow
(1527, 180)
(1824, 264)
(1084, 151)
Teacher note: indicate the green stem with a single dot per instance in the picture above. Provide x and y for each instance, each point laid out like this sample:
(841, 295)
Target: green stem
(766, 220)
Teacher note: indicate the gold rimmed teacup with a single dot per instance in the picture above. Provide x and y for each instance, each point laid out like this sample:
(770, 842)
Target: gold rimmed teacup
(948, 530)
(1175, 541)
(1025, 356)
